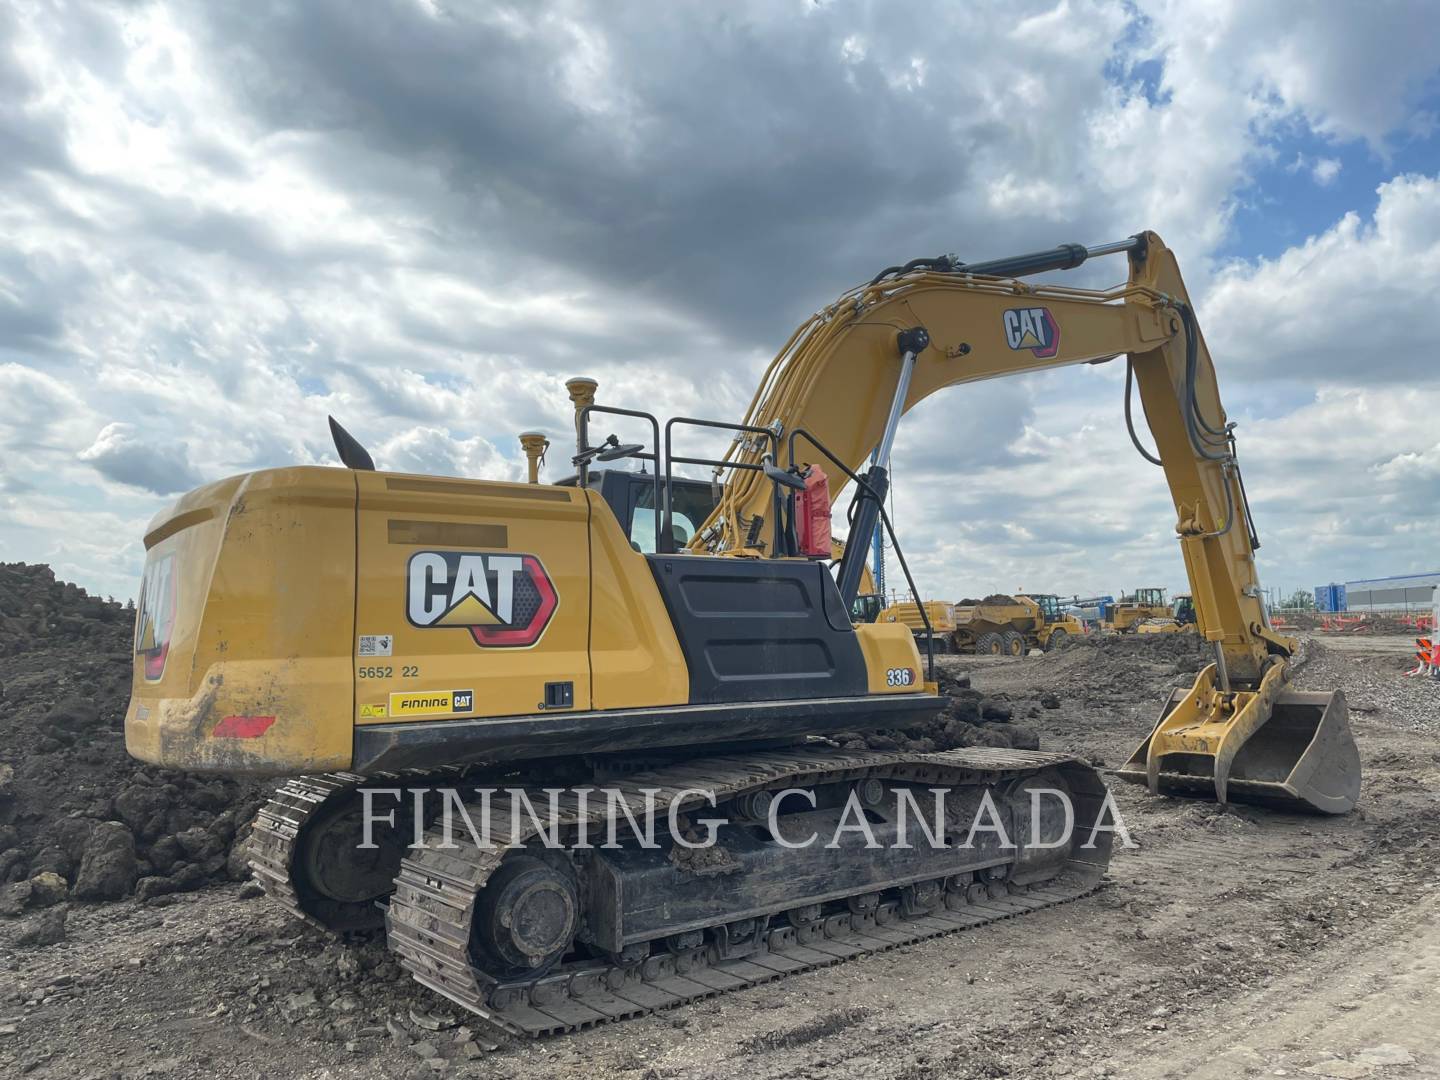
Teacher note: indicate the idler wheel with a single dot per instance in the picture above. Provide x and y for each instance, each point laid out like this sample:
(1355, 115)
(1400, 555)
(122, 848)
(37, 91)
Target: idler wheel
(525, 917)
(336, 865)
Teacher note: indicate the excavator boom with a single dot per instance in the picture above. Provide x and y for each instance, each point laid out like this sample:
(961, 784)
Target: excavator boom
(847, 375)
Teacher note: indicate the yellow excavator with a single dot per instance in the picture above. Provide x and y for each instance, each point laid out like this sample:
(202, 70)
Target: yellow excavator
(379, 636)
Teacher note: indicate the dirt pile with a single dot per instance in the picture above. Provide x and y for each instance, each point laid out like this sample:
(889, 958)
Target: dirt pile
(79, 818)
(1101, 667)
(1349, 622)
(37, 611)
(1387, 624)
(1093, 671)
(969, 718)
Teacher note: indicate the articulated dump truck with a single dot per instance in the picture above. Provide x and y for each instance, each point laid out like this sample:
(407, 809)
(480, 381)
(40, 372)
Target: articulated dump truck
(995, 626)
(565, 742)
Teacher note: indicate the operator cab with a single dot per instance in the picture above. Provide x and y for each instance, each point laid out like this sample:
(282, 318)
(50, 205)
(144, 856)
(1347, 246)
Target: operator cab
(1150, 597)
(631, 497)
(866, 608)
(1049, 607)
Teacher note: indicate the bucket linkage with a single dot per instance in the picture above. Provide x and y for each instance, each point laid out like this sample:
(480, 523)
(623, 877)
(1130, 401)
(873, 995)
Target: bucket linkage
(1285, 749)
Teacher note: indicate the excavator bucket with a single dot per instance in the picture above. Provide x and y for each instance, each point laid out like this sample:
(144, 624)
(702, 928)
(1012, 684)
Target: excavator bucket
(1284, 749)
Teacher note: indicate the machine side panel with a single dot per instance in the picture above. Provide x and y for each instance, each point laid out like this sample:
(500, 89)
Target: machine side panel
(893, 664)
(757, 629)
(472, 599)
(635, 657)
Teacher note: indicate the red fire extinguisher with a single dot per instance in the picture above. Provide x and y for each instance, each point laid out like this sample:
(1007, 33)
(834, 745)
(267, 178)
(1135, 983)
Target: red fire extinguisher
(812, 514)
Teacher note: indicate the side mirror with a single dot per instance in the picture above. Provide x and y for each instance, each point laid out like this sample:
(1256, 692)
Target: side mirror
(622, 450)
(784, 478)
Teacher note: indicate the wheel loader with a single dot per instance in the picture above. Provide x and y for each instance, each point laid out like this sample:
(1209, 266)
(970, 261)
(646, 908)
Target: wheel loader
(404, 647)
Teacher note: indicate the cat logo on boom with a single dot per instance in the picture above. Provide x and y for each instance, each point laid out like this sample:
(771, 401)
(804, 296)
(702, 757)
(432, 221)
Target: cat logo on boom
(503, 599)
(1032, 328)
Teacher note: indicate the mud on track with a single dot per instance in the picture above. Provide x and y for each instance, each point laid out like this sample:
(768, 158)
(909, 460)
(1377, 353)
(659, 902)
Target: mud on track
(1229, 944)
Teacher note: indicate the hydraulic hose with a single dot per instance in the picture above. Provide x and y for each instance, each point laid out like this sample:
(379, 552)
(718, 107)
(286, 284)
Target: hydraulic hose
(1229, 505)
(1188, 408)
(1193, 334)
(1130, 421)
(1190, 411)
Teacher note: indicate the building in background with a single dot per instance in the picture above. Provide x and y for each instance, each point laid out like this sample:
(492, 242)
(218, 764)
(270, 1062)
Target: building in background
(1406, 592)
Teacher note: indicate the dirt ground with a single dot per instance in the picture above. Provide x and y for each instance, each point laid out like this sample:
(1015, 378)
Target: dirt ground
(1228, 944)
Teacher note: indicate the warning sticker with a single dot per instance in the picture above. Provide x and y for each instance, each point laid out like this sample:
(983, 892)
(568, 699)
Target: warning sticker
(375, 644)
(371, 712)
(432, 702)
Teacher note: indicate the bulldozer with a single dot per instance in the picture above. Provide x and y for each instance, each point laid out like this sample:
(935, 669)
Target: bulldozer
(1136, 608)
(404, 647)
(996, 626)
(1179, 619)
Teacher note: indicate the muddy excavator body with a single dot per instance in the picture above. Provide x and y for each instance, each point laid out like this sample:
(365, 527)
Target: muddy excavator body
(376, 635)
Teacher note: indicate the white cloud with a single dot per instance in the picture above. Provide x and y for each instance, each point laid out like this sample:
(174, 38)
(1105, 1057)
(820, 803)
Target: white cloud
(1350, 70)
(1351, 305)
(221, 226)
(159, 467)
(1325, 170)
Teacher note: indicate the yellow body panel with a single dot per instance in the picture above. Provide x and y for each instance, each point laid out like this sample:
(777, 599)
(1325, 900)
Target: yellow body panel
(277, 644)
(635, 655)
(889, 649)
(404, 517)
(221, 569)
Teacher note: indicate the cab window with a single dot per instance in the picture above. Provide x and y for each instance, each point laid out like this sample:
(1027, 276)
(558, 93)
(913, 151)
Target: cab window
(690, 506)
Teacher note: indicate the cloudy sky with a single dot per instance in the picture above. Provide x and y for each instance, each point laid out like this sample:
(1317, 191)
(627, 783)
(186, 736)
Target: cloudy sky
(219, 223)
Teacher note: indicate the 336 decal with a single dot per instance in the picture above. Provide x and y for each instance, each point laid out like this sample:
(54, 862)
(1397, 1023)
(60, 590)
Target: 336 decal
(503, 599)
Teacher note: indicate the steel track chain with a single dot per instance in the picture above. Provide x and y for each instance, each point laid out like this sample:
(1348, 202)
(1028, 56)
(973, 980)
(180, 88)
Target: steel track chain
(276, 831)
(428, 919)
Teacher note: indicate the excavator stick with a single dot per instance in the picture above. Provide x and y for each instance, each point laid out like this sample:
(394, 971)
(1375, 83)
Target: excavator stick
(1283, 749)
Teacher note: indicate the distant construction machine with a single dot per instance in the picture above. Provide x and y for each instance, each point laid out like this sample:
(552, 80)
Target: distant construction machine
(1180, 618)
(999, 625)
(1136, 607)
